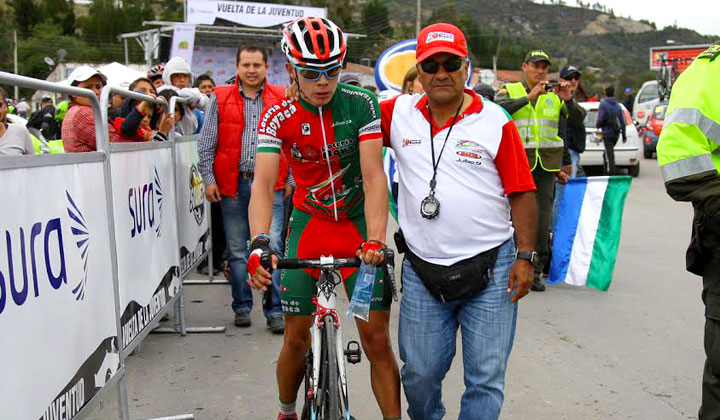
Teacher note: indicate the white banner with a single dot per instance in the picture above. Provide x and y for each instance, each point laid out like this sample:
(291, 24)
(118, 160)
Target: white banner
(183, 41)
(220, 64)
(193, 233)
(58, 336)
(145, 216)
(261, 15)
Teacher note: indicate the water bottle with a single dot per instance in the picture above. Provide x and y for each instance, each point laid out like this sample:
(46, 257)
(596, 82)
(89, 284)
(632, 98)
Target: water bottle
(362, 294)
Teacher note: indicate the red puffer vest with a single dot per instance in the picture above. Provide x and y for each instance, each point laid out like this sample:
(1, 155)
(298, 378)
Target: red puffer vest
(231, 122)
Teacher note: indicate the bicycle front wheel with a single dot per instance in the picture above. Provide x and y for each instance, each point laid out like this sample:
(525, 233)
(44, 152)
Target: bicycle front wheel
(330, 385)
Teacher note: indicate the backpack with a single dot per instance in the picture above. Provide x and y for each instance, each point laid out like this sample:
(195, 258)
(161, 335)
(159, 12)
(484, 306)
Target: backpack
(614, 119)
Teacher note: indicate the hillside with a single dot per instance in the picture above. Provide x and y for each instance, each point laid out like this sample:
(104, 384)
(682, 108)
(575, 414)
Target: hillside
(617, 46)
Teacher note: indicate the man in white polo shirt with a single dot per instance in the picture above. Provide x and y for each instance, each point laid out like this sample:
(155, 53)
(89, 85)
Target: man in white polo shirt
(462, 174)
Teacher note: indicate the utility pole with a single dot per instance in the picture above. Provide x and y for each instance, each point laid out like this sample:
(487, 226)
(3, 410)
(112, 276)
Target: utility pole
(17, 92)
(417, 19)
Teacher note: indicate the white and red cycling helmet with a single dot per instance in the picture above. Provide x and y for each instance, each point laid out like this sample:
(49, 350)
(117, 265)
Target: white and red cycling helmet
(313, 42)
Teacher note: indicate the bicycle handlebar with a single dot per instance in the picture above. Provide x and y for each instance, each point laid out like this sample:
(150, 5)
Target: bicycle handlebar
(297, 263)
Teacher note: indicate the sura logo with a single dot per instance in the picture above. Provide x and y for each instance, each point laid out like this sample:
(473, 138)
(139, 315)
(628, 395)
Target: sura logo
(145, 204)
(38, 254)
(197, 195)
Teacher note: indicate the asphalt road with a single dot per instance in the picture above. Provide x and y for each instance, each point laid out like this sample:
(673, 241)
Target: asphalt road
(634, 352)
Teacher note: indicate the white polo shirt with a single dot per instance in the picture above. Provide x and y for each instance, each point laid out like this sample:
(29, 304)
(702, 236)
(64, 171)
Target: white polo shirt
(483, 162)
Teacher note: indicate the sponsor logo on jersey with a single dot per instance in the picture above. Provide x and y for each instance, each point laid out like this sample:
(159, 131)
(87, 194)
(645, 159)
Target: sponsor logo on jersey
(411, 142)
(305, 129)
(471, 155)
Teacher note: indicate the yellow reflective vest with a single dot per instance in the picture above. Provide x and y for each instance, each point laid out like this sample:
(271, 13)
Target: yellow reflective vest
(538, 127)
(690, 137)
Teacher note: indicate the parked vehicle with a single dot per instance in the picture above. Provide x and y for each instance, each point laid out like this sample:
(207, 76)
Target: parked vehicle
(645, 101)
(627, 154)
(651, 131)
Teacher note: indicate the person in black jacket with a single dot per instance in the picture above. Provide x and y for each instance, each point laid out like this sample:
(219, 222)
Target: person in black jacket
(611, 123)
(573, 132)
(44, 120)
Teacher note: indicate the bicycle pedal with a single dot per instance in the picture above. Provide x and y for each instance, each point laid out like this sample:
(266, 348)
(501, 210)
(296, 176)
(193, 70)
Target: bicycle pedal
(353, 353)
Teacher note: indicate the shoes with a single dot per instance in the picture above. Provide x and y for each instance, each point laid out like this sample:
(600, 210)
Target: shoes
(538, 286)
(276, 323)
(287, 417)
(242, 319)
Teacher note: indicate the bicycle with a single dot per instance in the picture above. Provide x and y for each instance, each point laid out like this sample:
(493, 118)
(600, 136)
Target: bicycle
(666, 77)
(326, 388)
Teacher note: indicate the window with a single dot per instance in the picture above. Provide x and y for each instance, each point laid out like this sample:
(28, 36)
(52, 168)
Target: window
(648, 93)
(591, 118)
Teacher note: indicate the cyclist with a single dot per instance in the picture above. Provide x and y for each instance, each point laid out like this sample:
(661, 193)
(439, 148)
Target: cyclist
(332, 137)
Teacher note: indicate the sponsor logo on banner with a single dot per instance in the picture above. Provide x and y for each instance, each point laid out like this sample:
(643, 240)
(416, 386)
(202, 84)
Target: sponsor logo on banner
(145, 206)
(197, 195)
(136, 317)
(92, 375)
(36, 258)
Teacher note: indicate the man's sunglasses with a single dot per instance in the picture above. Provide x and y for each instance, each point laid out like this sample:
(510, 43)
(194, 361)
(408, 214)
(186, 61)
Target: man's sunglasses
(450, 65)
(313, 75)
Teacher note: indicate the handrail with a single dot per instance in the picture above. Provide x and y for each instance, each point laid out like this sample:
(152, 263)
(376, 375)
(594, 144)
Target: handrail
(105, 94)
(98, 115)
(174, 100)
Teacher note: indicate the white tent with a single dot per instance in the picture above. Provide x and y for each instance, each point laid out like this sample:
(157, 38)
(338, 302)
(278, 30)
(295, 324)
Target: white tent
(119, 74)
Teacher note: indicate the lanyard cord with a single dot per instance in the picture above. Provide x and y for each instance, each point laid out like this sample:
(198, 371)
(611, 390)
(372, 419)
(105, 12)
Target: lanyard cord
(327, 157)
(433, 183)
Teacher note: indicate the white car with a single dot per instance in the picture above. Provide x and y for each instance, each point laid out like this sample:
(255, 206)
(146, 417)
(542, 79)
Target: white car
(645, 100)
(627, 154)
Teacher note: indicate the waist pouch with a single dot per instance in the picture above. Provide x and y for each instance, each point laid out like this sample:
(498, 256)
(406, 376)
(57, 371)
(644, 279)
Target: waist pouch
(462, 280)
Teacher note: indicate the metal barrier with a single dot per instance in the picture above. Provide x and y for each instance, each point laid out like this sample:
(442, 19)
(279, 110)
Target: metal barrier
(89, 252)
(73, 396)
(211, 250)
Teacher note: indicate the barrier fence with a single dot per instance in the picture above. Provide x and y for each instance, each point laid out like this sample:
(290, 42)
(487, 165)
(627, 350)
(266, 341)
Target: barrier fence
(95, 251)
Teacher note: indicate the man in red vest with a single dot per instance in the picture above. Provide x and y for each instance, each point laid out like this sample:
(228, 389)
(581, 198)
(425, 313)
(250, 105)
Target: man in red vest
(227, 162)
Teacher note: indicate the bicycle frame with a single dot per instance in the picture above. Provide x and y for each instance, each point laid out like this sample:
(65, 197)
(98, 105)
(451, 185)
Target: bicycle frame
(326, 305)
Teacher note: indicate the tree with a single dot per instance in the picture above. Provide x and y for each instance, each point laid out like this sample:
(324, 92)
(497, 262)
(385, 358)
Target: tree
(375, 19)
(60, 12)
(26, 15)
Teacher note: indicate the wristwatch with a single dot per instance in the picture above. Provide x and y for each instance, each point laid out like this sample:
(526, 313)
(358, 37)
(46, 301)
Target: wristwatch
(530, 256)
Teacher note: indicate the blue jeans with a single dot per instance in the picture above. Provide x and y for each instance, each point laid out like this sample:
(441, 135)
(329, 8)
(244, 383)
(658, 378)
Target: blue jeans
(237, 234)
(428, 330)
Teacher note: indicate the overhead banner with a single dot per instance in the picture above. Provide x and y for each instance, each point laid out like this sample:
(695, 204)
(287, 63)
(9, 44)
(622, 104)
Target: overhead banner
(57, 308)
(146, 234)
(260, 15)
(183, 41)
(193, 232)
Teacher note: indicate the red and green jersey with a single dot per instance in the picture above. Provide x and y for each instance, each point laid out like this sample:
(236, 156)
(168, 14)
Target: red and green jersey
(322, 145)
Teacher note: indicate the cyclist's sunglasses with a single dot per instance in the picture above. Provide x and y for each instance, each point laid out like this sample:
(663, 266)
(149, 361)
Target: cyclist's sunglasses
(313, 74)
(450, 65)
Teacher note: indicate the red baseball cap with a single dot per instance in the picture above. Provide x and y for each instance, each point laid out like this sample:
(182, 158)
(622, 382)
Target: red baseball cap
(439, 38)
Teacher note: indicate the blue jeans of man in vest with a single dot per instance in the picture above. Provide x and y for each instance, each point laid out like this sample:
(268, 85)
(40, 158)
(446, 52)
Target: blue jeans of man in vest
(237, 234)
(427, 338)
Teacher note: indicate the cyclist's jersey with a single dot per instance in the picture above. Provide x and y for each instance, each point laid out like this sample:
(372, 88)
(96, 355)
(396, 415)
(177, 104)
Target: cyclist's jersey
(351, 116)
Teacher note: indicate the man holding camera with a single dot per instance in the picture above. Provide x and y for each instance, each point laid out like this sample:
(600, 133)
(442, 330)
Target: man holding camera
(536, 105)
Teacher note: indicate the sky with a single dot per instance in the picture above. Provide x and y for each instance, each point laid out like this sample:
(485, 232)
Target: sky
(701, 15)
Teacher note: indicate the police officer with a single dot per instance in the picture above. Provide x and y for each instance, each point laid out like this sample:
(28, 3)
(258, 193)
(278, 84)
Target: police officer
(689, 162)
(536, 106)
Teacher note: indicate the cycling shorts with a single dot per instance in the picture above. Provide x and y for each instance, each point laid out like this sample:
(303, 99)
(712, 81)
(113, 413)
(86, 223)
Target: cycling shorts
(311, 236)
